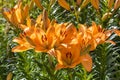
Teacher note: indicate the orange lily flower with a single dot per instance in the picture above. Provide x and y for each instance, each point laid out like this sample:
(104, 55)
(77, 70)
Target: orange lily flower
(39, 34)
(17, 15)
(44, 41)
(99, 34)
(85, 39)
(24, 41)
(35, 38)
(89, 38)
(23, 44)
(70, 57)
(45, 33)
(64, 34)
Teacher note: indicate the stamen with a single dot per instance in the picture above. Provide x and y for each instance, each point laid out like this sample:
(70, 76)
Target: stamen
(44, 38)
(68, 58)
(69, 55)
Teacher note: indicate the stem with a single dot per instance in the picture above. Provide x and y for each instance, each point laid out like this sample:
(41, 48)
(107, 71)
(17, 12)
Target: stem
(103, 61)
(85, 76)
(69, 73)
(50, 58)
(76, 12)
(2, 3)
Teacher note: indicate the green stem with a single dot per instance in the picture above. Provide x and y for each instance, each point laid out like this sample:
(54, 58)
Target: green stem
(50, 58)
(69, 73)
(85, 74)
(75, 11)
(103, 61)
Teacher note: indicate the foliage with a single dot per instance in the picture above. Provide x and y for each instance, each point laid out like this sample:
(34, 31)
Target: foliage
(30, 65)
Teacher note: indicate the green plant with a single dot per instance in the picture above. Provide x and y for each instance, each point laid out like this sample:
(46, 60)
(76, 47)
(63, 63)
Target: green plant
(30, 65)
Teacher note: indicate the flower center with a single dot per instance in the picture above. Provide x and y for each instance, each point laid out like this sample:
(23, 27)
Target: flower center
(68, 58)
(44, 38)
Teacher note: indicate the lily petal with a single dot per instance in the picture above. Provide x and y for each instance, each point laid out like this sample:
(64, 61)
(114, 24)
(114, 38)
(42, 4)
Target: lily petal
(86, 61)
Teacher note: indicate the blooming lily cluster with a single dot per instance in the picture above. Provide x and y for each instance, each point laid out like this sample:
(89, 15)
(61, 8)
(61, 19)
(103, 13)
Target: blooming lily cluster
(69, 45)
(16, 15)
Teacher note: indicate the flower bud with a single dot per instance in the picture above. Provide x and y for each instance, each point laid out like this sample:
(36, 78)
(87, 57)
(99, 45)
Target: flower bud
(64, 4)
(52, 2)
(95, 4)
(38, 3)
(117, 4)
(78, 2)
(106, 16)
(110, 3)
(9, 76)
(84, 3)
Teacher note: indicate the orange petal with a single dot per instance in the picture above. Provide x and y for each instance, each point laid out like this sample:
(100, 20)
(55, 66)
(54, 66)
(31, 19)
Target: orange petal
(40, 49)
(51, 38)
(94, 28)
(30, 41)
(59, 66)
(117, 32)
(39, 19)
(59, 57)
(14, 19)
(19, 40)
(21, 26)
(18, 14)
(25, 11)
(110, 41)
(7, 14)
(20, 48)
(93, 45)
(30, 22)
(86, 61)
(70, 33)
(108, 33)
